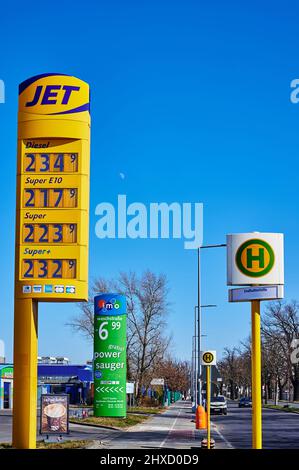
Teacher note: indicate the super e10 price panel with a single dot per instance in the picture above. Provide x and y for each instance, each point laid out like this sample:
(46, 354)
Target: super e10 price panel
(53, 189)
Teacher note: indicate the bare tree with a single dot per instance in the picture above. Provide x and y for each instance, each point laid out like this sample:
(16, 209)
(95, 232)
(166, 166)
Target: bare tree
(175, 373)
(229, 368)
(280, 326)
(244, 367)
(147, 308)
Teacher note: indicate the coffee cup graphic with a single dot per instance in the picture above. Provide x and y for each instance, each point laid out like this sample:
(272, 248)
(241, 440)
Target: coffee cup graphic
(55, 413)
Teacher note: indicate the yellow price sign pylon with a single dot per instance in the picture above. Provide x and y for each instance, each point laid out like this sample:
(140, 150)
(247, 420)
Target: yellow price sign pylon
(52, 222)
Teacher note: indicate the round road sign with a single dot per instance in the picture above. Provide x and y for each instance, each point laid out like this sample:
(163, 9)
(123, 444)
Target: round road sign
(255, 258)
(208, 357)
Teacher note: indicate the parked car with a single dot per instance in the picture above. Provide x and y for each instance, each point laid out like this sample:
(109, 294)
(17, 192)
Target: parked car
(218, 405)
(245, 402)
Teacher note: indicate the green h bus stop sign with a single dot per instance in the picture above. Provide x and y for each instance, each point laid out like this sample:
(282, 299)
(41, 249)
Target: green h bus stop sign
(110, 371)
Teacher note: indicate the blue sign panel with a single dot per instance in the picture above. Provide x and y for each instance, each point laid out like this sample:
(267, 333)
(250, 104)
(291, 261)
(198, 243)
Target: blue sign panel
(110, 304)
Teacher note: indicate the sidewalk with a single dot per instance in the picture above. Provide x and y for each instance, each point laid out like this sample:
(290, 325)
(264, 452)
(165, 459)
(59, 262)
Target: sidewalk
(172, 429)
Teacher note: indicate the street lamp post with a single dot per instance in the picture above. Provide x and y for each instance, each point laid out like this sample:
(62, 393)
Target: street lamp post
(194, 371)
(194, 375)
(199, 336)
(192, 368)
(199, 307)
(195, 385)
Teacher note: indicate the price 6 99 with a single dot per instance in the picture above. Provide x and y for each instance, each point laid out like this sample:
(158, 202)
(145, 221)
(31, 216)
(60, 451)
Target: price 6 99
(103, 331)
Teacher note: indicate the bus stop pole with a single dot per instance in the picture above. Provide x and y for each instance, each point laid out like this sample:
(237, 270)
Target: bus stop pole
(256, 375)
(208, 406)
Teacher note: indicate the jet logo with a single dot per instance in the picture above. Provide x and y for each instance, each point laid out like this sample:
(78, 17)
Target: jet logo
(52, 94)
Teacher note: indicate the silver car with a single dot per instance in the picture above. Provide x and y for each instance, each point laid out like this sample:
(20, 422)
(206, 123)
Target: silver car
(218, 405)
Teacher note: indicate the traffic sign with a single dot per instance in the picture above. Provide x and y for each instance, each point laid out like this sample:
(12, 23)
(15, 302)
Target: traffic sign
(110, 369)
(53, 189)
(208, 358)
(130, 388)
(256, 293)
(158, 382)
(215, 374)
(255, 258)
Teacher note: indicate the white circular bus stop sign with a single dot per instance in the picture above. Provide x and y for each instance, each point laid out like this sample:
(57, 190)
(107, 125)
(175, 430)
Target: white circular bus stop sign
(208, 358)
(255, 259)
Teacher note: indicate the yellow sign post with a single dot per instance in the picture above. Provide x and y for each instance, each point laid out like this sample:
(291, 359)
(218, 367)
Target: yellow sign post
(208, 407)
(256, 375)
(52, 221)
(208, 359)
(255, 260)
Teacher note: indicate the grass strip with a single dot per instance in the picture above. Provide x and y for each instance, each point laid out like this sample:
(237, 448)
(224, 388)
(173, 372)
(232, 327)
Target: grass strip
(288, 409)
(115, 423)
(81, 444)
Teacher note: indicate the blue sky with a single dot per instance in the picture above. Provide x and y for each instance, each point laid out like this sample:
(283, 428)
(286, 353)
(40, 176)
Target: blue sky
(190, 100)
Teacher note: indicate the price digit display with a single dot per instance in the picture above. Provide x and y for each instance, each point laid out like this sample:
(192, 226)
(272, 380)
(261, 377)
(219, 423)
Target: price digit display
(50, 233)
(50, 198)
(49, 269)
(51, 162)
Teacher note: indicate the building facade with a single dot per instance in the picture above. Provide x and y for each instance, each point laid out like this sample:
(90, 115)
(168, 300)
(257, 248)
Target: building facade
(75, 380)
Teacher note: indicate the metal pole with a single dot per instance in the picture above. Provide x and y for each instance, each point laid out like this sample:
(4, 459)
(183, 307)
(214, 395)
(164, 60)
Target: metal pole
(256, 375)
(199, 400)
(195, 357)
(208, 406)
(199, 397)
(192, 370)
(25, 374)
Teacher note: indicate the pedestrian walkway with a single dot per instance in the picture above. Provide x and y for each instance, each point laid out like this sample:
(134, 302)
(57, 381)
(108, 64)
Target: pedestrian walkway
(172, 429)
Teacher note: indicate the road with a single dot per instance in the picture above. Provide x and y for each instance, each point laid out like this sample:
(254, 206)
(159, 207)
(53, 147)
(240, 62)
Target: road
(280, 429)
(175, 429)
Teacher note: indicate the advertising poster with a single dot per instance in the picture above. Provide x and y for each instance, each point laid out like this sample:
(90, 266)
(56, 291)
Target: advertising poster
(110, 355)
(54, 418)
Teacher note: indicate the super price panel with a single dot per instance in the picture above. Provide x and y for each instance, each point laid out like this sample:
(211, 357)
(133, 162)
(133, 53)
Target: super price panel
(53, 199)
